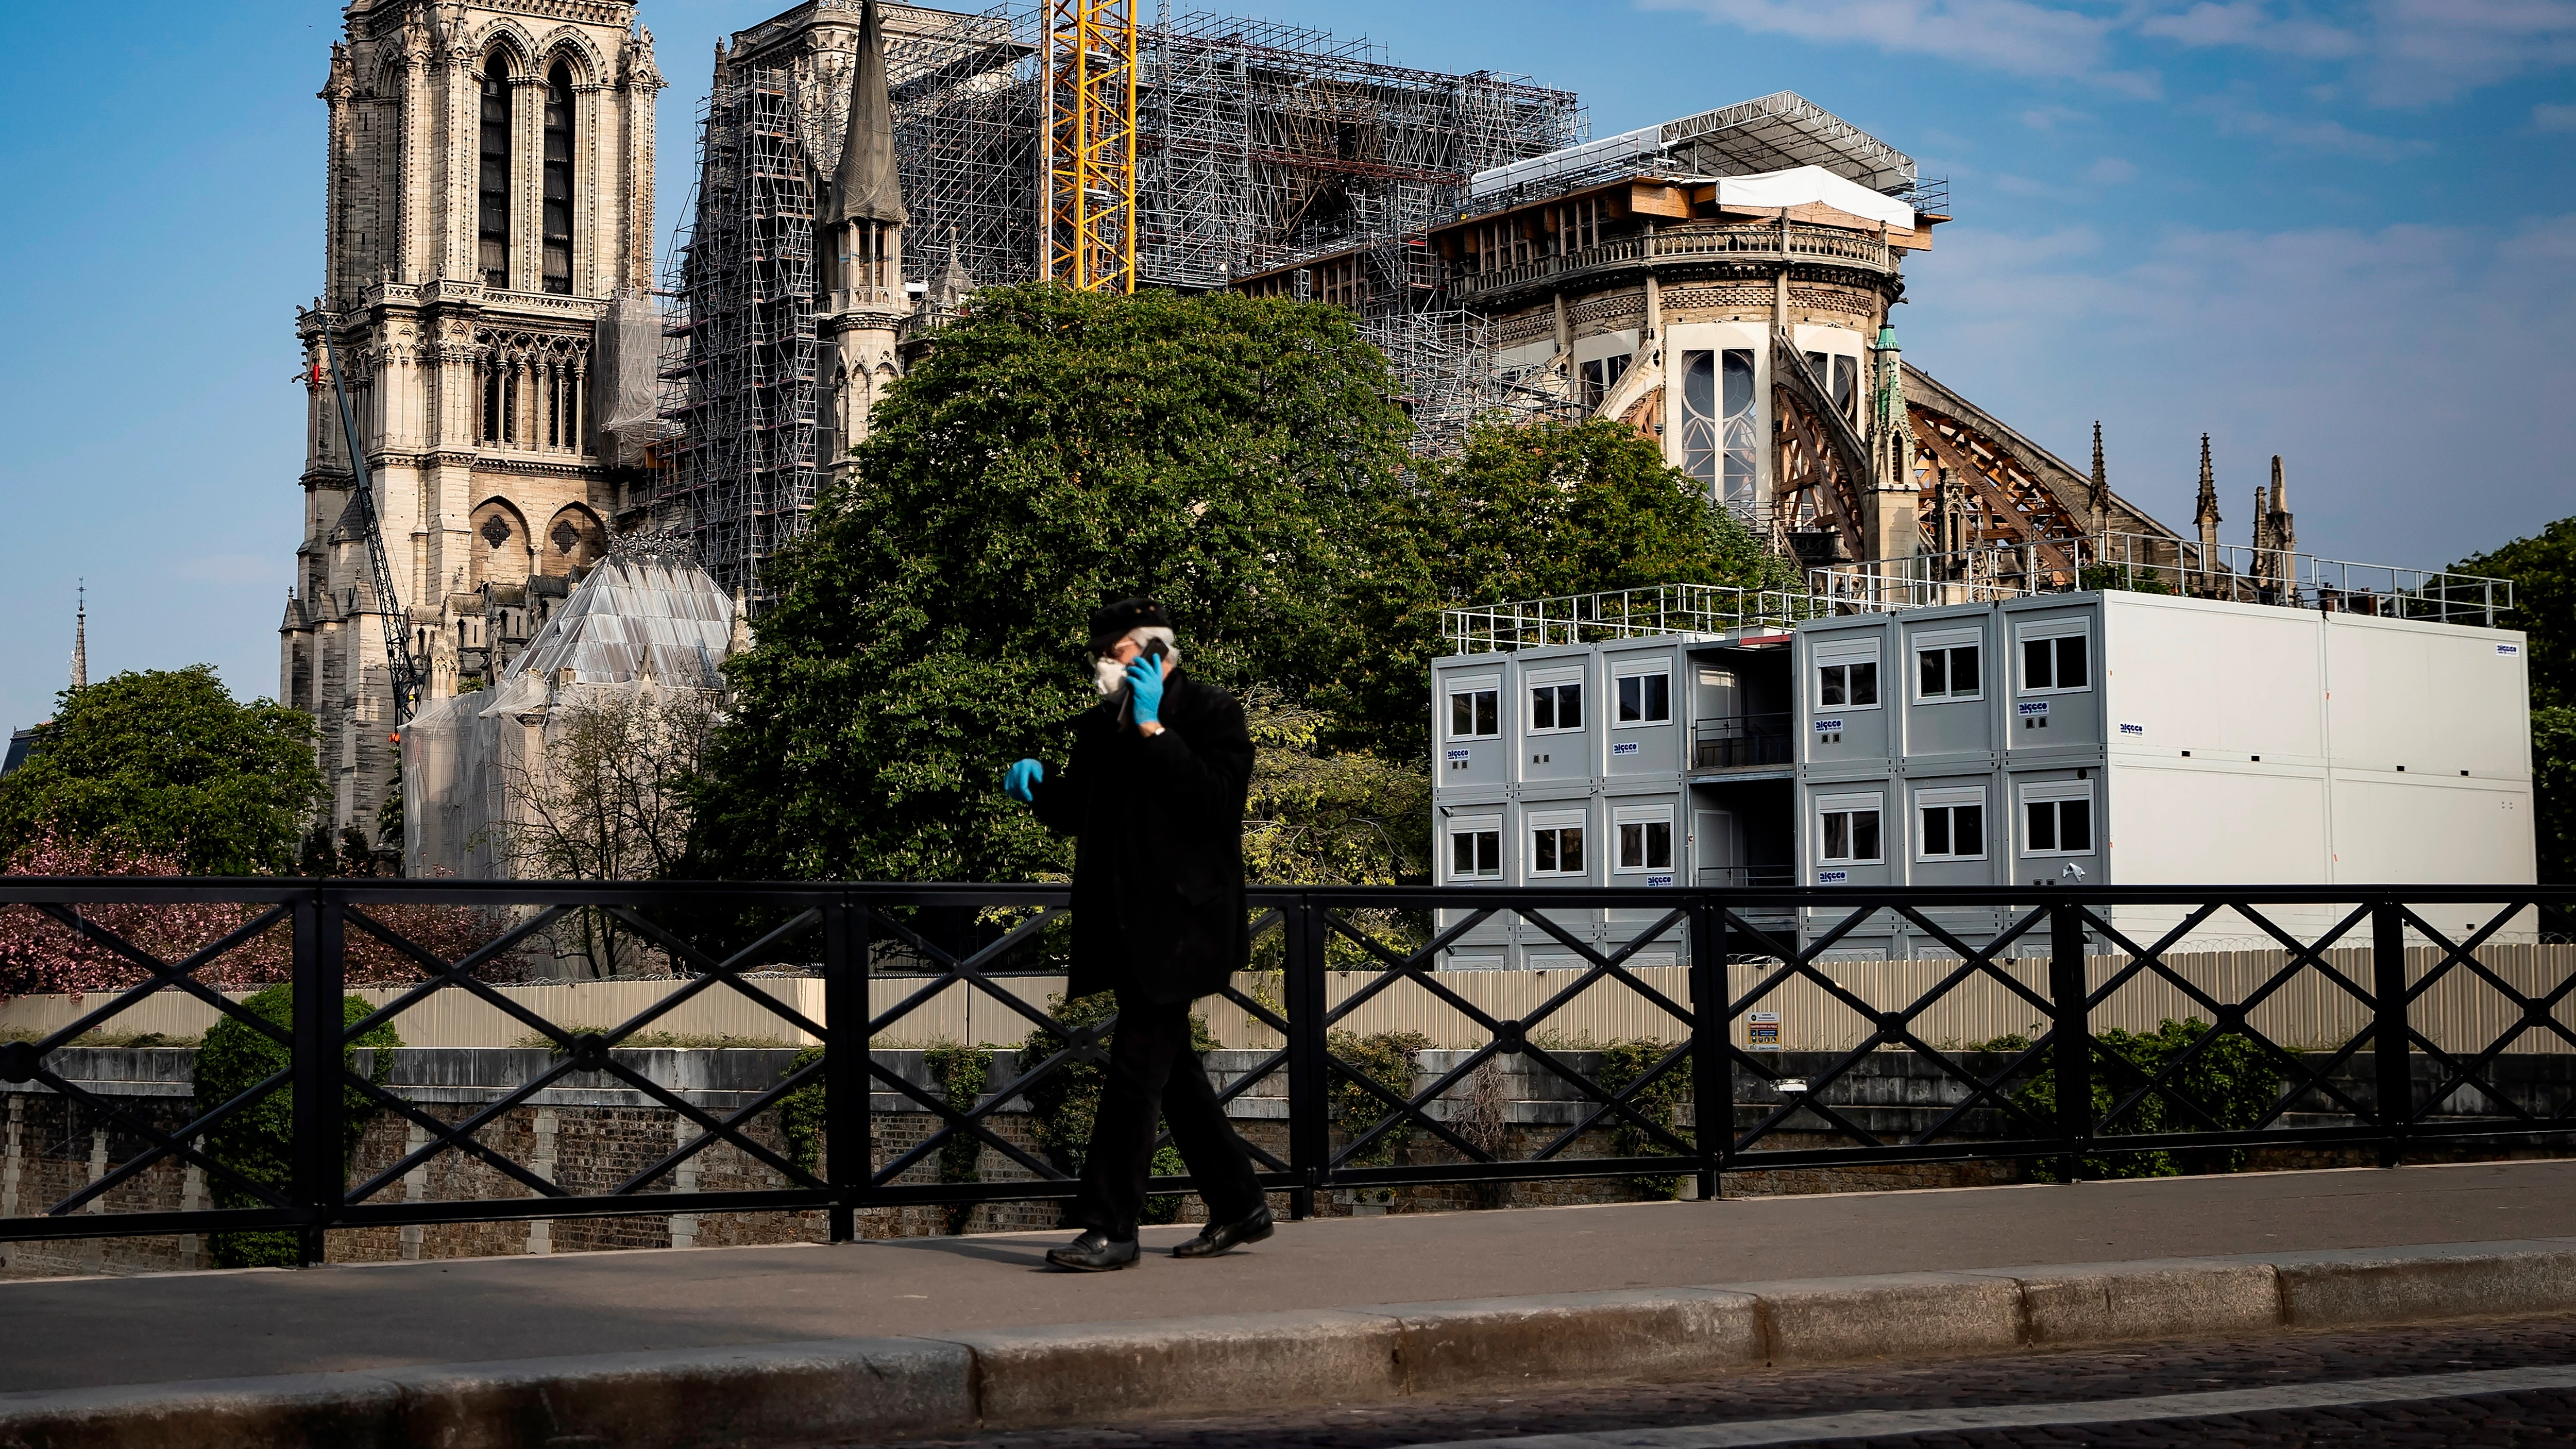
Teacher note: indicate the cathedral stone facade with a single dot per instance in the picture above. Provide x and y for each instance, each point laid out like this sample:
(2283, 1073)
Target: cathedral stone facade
(490, 192)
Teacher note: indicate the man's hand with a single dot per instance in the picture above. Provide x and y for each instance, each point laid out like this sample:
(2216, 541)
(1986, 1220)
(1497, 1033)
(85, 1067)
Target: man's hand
(1145, 688)
(1018, 781)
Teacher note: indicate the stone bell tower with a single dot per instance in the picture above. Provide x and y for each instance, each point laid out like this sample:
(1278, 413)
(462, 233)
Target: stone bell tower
(487, 186)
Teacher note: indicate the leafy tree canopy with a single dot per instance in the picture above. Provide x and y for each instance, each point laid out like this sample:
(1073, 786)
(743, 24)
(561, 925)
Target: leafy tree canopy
(167, 762)
(2543, 570)
(1054, 450)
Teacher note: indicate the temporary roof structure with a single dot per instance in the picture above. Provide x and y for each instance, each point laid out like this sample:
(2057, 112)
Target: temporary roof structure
(1778, 132)
(647, 619)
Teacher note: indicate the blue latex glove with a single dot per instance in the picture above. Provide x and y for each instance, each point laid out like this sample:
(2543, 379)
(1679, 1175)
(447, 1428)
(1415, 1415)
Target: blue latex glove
(1020, 777)
(1145, 687)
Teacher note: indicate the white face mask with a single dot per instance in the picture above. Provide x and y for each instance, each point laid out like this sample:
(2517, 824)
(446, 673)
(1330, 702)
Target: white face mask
(1110, 677)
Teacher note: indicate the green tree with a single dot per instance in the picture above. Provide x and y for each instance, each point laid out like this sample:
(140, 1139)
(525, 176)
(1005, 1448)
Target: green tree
(2543, 570)
(167, 762)
(1524, 511)
(2553, 790)
(1055, 449)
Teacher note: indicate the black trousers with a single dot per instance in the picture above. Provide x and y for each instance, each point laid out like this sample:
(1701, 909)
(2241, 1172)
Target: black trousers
(1153, 1074)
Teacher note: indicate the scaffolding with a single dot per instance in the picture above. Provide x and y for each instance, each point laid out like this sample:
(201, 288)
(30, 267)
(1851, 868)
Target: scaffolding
(740, 384)
(1255, 144)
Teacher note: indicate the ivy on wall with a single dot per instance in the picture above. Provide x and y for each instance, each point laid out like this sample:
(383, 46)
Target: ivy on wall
(1659, 1101)
(2231, 1081)
(258, 1139)
(1387, 1058)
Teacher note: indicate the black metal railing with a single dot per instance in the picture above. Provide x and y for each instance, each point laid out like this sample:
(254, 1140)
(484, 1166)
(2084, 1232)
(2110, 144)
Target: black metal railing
(1735, 741)
(2376, 1026)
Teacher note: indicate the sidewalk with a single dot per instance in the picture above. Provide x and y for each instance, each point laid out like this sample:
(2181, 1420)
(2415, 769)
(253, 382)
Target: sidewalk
(962, 1327)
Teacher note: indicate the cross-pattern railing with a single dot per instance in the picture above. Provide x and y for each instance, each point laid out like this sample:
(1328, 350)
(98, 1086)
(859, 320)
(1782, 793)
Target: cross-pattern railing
(2088, 970)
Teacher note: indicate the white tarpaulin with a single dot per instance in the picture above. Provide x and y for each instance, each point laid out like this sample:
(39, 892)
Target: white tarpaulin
(625, 353)
(1806, 185)
(648, 621)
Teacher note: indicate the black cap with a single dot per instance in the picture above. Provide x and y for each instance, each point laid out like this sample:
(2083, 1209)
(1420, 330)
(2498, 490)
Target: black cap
(1111, 622)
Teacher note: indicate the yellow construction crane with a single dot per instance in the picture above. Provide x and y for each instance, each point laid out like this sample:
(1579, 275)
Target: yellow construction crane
(1090, 208)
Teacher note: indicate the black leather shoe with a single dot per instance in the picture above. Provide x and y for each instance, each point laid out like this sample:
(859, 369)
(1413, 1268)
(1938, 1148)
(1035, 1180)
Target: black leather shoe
(1218, 1238)
(1094, 1252)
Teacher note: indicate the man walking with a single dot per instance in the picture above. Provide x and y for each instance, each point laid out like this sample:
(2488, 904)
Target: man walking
(1153, 797)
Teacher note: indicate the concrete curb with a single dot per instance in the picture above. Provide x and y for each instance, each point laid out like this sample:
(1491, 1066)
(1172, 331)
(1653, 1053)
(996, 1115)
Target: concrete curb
(881, 1388)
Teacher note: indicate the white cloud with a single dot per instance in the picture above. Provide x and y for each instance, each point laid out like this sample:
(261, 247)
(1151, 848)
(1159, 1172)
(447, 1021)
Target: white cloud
(2251, 23)
(2432, 50)
(2348, 352)
(2398, 52)
(2049, 118)
(2553, 118)
(2111, 171)
(2016, 36)
(2332, 137)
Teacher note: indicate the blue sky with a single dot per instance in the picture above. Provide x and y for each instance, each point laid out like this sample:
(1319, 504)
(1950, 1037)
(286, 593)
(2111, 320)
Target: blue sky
(2345, 233)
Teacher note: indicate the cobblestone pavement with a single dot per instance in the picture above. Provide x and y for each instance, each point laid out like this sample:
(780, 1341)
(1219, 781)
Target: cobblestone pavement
(2541, 1417)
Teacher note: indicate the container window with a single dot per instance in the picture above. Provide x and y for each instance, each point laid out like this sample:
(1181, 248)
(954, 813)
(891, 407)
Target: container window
(1556, 707)
(1850, 835)
(1846, 684)
(1475, 714)
(1556, 850)
(1954, 832)
(1948, 673)
(1476, 854)
(1645, 698)
(2058, 662)
(2058, 826)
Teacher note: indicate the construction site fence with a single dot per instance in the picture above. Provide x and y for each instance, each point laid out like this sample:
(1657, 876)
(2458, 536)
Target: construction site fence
(2308, 1012)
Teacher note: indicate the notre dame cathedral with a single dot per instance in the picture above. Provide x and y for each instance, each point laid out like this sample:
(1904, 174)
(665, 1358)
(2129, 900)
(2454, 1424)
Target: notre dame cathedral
(490, 200)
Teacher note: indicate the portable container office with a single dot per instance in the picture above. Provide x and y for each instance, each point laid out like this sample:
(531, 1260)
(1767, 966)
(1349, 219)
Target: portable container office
(2101, 738)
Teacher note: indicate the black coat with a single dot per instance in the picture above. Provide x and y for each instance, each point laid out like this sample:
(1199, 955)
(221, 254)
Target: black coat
(1158, 845)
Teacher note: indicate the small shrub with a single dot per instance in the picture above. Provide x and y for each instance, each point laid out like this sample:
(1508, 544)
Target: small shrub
(2230, 1081)
(1388, 1058)
(258, 1140)
(960, 1073)
(1659, 1101)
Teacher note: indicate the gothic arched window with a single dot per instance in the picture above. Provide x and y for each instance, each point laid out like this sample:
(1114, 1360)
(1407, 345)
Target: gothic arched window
(492, 225)
(558, 216)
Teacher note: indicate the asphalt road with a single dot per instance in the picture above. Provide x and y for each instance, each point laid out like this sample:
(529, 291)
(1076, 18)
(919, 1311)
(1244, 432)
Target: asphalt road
(1728, 1410)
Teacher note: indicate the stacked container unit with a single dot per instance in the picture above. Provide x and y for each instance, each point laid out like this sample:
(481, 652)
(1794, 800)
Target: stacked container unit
(2148, 740)
(1561, 766)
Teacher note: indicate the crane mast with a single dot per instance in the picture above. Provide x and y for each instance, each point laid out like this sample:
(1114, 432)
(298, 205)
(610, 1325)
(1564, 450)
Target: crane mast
(399, 660)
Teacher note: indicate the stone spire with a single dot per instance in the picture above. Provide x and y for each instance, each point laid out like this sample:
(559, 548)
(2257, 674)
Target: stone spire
(80, 640)
(954, 283)
(2207, 517)
(2101, 498)
(864, 185)
(1893, 502)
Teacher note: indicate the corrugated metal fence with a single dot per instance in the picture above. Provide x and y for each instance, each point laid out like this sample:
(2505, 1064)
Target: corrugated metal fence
(2460, 1013)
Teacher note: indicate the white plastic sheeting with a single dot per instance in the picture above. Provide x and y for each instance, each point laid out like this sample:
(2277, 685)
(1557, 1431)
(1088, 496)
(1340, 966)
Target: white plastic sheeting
(1805, 185)
(626, 354)
(651, 623)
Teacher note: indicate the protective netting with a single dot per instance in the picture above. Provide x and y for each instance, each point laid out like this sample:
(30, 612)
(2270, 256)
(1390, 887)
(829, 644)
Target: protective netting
(625, 353)
(645, 622)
